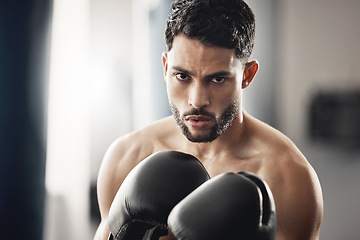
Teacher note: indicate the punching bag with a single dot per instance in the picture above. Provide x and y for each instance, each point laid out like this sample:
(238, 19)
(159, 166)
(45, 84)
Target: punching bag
(24, 61)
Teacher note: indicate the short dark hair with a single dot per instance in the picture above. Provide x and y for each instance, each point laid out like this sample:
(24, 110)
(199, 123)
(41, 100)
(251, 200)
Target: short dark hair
(224, 23)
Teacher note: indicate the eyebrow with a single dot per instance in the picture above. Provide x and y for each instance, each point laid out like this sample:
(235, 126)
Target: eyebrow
(182, 70)
(212, 75)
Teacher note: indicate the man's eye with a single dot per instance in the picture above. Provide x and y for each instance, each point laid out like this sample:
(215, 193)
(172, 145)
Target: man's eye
(181, 76)
(218, 79)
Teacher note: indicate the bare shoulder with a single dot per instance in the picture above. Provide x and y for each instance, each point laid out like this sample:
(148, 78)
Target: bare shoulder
(298, 196)
(295, 186)
(122, 156)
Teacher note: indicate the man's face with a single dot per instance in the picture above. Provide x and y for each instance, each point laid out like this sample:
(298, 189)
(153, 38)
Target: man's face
(204, 87)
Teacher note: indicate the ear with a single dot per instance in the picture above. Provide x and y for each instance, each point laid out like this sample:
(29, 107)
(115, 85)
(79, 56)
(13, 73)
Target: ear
(165, 63)
(250, 70)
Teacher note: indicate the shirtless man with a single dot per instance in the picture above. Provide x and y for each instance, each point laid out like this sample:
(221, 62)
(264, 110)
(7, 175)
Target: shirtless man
(206, 68)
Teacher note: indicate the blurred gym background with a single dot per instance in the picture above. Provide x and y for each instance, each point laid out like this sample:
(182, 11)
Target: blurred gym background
(77, 74)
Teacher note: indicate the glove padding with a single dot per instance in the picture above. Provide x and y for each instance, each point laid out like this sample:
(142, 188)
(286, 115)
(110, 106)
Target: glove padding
(229, 206)
(150, 191)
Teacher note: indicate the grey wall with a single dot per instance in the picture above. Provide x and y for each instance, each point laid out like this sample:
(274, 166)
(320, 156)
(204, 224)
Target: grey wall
(319, 51)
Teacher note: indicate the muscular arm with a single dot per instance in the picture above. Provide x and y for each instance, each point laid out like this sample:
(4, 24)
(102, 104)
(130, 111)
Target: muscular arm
(299, 203)
(123, 155)
(293, 182)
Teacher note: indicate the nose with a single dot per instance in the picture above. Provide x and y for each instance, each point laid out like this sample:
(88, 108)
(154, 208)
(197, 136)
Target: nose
(198, 96)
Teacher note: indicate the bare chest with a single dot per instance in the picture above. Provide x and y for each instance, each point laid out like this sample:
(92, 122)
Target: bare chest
(226, 162)
(218, 166)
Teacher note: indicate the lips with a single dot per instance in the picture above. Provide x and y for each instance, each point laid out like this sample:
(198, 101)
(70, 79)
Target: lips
(198, 121)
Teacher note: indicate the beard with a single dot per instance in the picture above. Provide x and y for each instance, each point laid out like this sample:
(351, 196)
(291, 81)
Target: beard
(222, 123)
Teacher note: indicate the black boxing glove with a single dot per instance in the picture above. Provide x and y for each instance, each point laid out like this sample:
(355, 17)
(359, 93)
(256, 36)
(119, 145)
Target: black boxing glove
(229, 206)
(267, 226)
(150, 191)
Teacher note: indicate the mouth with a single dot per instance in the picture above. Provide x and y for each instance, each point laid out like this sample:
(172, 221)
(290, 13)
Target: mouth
(198, 121)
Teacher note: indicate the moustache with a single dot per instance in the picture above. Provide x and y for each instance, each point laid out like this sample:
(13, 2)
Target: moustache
(199, 111)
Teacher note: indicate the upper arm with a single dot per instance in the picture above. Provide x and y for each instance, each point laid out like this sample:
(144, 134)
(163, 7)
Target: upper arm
(123, 155)
(110, 177)
(109, 180)
(299, 204)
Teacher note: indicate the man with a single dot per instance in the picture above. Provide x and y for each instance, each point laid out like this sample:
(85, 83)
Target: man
(206, 68)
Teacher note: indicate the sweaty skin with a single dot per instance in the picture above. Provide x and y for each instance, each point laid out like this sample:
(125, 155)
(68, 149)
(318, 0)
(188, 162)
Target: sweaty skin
(212, 78)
